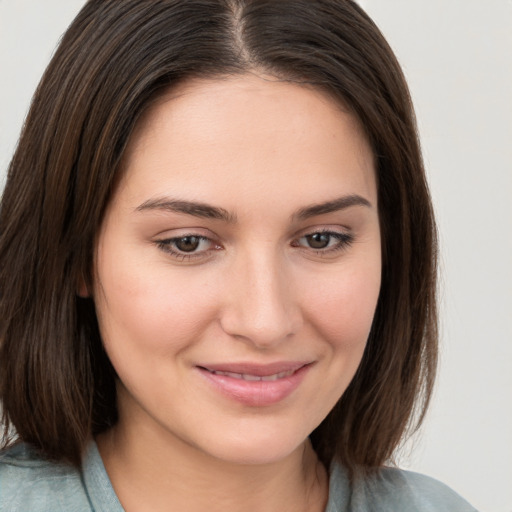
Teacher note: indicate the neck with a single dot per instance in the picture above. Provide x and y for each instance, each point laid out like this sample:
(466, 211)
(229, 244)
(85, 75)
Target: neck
(151, 473)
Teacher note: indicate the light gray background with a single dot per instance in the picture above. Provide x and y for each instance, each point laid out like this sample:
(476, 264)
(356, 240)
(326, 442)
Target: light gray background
(457, 55)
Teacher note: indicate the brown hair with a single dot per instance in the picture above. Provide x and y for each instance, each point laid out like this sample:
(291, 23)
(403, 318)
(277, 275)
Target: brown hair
(56, 383)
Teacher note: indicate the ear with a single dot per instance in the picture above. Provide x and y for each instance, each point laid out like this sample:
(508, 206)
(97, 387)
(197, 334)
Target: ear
(82, 290)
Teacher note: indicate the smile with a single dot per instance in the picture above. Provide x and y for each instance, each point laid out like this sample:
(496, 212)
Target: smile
(249, 377)
(255, 385)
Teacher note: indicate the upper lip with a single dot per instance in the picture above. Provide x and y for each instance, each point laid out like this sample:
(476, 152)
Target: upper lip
(259, 370)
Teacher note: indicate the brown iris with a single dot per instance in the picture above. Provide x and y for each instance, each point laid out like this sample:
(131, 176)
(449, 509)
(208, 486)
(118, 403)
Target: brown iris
(318, 240)
(187, 243)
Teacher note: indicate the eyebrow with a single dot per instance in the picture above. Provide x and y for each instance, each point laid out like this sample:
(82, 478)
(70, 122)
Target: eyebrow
(197, 209)
(203, 210)
(335, 205)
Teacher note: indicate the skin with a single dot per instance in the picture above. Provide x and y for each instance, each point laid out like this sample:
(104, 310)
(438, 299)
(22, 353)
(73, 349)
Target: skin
(253, 289)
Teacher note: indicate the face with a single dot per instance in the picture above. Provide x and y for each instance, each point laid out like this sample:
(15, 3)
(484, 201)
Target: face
(238, 266)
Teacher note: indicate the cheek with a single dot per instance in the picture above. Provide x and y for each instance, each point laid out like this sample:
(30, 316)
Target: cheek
(342, 309)
(141, 306)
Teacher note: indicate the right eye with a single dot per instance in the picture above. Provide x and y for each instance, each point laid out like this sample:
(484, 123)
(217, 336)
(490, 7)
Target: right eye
(187, 243)
(188, 246)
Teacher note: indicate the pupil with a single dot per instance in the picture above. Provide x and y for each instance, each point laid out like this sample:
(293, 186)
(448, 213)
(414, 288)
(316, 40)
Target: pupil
(187, 243)
(318, 240)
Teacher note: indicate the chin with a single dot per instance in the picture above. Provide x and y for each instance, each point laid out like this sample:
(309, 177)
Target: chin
(246, 448)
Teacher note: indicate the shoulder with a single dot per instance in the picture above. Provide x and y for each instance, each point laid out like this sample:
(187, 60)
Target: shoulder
(28, 482)
(395, 490)
(406, 490)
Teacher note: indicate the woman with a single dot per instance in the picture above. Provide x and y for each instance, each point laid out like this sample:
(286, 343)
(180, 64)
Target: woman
(218, 266)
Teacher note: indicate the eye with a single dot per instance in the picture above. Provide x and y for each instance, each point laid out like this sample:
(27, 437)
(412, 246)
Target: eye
(188, 246)
(187, 243)
(324, 241)
(319, 240)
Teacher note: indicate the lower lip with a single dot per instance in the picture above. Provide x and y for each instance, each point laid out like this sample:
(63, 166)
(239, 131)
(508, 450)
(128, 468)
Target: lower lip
(256, 393)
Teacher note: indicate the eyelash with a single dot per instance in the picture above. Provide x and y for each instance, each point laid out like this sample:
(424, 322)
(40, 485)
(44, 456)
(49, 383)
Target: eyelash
(166, 245)
(344, 240)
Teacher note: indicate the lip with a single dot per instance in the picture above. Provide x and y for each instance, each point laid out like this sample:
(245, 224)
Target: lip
(256, 385)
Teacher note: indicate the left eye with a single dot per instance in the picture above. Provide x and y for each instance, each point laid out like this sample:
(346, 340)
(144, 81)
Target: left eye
(324, 240)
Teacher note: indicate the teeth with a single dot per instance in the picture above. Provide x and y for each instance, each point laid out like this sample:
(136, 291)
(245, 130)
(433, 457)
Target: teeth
(246, 376)
(250, 377)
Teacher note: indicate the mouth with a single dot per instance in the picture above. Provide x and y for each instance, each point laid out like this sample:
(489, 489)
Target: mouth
(256, 385)
(253, 378)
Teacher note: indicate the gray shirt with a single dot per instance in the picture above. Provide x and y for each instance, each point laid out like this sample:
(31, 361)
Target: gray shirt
(31, 484)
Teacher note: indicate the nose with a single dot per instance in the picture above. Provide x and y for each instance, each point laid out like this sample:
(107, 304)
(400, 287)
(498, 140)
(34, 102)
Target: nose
(261, 307)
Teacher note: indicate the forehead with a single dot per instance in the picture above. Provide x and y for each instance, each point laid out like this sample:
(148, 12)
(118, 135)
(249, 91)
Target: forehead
(256, 131)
